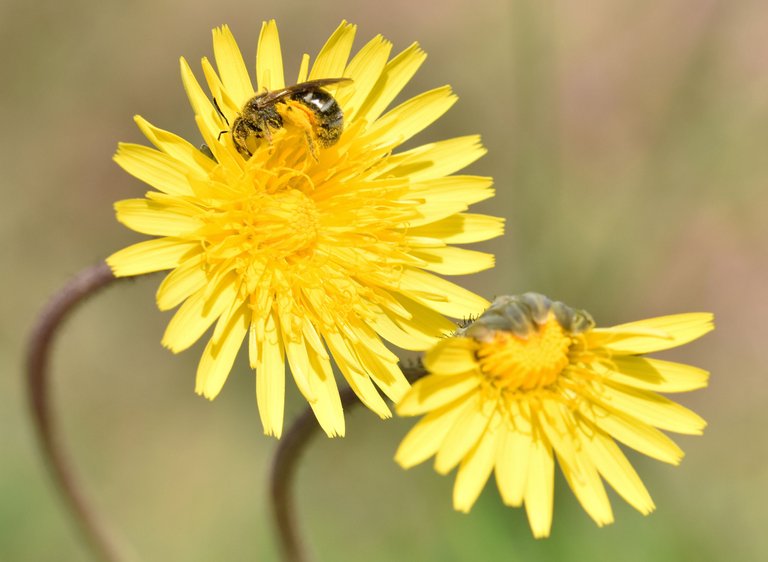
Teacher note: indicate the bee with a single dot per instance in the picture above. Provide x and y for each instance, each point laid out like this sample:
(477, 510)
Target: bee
(268, 110)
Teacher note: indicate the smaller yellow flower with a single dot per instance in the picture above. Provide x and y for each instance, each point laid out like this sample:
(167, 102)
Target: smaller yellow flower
(532, 380)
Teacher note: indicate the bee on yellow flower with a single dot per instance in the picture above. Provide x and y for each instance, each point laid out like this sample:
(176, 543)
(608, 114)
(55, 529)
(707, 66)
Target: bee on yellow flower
(309, 249)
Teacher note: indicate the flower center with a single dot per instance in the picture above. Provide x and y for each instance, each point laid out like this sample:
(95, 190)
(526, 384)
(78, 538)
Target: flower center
(525, 362)
(283, 225)
(268, 229)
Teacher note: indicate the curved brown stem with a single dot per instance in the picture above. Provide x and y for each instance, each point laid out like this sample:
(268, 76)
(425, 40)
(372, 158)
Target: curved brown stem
(285, 464)
(83, 285)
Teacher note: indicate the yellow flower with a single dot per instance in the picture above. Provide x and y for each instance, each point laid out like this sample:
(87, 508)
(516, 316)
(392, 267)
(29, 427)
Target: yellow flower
(533, 380)
(308, 250)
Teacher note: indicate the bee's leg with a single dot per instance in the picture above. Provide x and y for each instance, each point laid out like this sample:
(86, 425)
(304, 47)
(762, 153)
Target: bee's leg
(266, 131)
(220, 112)
(240, 134)
(312, 145)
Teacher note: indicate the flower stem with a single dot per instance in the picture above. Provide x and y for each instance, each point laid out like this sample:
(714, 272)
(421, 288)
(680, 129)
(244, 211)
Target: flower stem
(85, 284)
(284, 466)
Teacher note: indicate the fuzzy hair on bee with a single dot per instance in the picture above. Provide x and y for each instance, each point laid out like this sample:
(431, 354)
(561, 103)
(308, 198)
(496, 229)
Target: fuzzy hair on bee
(322, 119)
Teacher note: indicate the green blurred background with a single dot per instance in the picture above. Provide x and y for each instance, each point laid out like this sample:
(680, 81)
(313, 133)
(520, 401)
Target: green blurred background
(628, 141)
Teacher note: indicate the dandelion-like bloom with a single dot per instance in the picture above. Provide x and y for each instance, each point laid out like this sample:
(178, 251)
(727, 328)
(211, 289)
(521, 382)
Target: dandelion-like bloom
(308, 250)
(533, 380)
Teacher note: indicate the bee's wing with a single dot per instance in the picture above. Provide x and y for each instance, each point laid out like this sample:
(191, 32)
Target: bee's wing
(275, 95)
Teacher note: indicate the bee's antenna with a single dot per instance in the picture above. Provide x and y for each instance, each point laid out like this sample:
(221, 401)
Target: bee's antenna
(221, 113)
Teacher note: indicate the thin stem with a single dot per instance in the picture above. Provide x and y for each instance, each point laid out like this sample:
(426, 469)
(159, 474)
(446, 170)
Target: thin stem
(85, 284)
(284, 466)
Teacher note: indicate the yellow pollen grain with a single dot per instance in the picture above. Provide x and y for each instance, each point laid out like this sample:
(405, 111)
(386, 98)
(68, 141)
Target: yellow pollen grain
(514, 363)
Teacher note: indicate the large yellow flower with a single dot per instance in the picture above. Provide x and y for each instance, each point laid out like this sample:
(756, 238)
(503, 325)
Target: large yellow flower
(533, 380)
(308, 252)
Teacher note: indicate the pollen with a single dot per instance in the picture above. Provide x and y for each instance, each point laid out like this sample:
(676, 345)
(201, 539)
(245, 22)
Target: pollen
(513, 362)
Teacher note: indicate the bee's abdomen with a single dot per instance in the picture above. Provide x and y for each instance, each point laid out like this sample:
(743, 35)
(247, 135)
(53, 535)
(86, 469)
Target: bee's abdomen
(330, 118)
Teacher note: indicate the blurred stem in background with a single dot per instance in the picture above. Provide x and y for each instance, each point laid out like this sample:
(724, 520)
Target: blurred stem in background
(284, 466)
(285, 463)
(84, 285)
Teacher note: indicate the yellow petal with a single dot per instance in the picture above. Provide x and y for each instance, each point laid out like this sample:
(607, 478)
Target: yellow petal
(428, 435)
(449, 260)
(419, 325)
(391, 328)
(198, 312)
(635, 434)
(615, 467)
(269, 357)
(589, 490)
(412, 116)
(298, 359)
(465, 433)
(219, 355)
(435, 391)
(557, 424)
(327, 405)
(364, 69)
(475, 469)
(148, 217)
(230, 165)
(201, 105)
(560, 428)
(441, 295)
(228, 105)
(232, 69)
(181, 283)
(269, 58)
(655, 374)
(152, 255)
(443, 197)
(332, 58)
(348, 362)
(376, 358)
(313, 339)
(435, 160)
(154, 168)
(303, 69)
(539, 487)
(653, 334)
(197, 163)
(397, 73)
(512, 462)
(452, 356)
(652, 409)
(461, 228)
